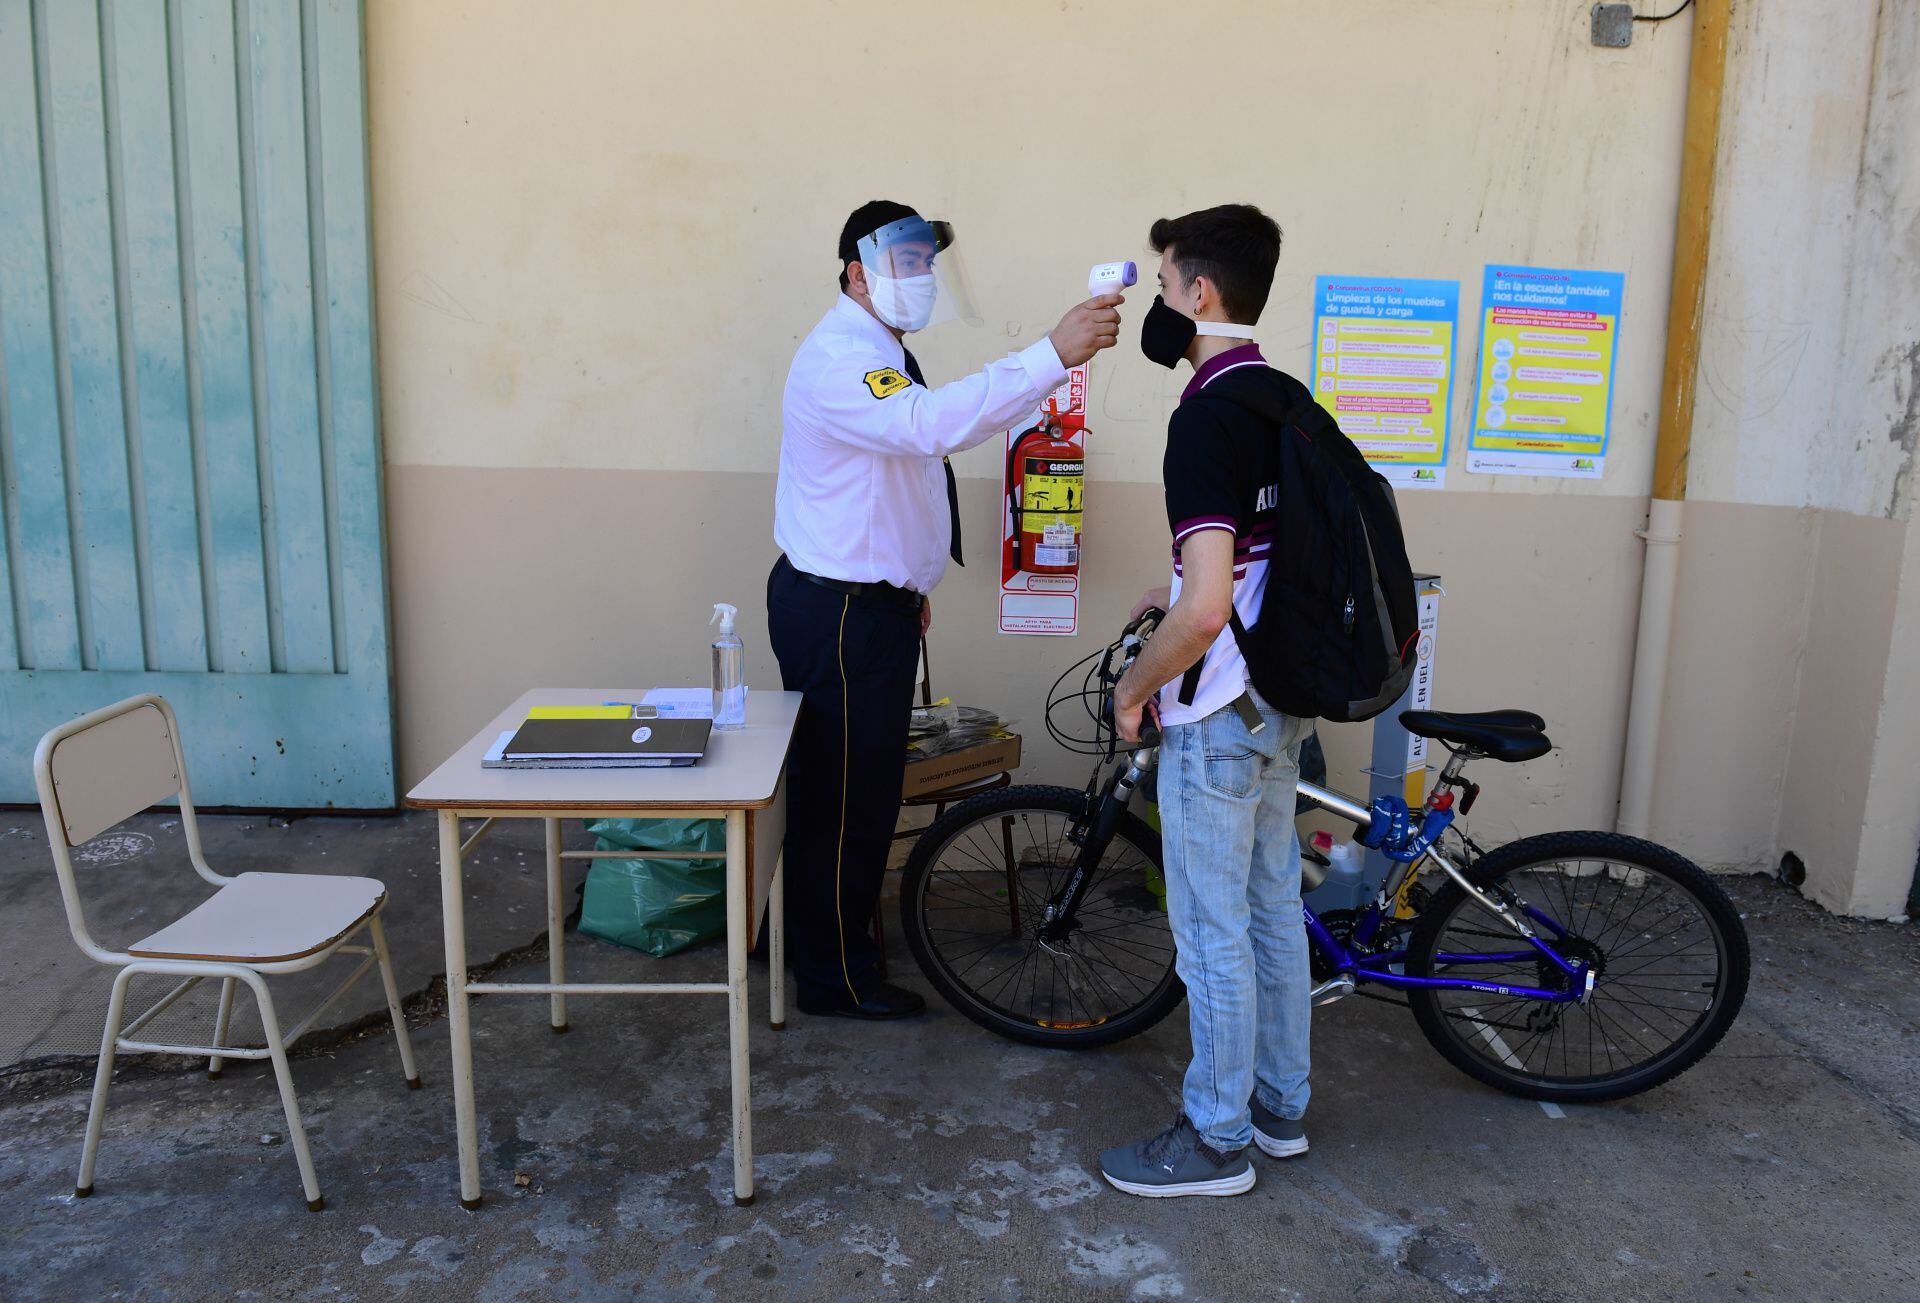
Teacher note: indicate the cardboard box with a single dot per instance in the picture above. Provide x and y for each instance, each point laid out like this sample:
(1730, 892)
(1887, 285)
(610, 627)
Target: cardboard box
(962, 768)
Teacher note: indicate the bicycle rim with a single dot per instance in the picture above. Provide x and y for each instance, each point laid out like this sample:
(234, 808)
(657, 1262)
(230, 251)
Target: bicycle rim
(978, 892)
(1670, 957)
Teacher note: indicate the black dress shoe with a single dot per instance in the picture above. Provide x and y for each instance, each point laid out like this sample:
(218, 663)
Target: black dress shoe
(884, 1001)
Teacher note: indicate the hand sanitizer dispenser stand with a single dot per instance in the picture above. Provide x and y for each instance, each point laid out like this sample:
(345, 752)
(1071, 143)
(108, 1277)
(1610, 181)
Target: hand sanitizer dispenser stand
(1398, 766)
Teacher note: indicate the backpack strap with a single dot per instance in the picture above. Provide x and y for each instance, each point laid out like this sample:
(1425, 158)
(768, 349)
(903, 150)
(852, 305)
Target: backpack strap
(1190, 682)
(1264, 402)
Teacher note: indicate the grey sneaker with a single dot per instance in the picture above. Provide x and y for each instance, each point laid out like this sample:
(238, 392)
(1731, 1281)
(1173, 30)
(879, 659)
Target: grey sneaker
(1277, 1137)
(1176, 1162)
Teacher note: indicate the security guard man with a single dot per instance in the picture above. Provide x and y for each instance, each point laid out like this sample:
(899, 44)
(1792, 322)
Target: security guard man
(866, 515)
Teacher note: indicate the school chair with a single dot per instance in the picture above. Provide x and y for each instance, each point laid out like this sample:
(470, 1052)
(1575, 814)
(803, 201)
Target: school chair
(100, 769)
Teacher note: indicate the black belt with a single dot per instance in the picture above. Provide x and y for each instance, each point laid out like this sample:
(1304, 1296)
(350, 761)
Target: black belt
(887, 594)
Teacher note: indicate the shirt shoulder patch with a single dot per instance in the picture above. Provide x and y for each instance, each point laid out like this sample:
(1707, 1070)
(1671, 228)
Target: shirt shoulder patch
(886, 381)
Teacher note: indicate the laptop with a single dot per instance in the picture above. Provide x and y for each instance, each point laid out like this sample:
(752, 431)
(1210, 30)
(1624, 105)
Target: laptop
(605, 744)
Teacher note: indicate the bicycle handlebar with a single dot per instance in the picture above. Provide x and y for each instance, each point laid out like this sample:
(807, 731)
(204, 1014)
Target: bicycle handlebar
(1104, 670)
(1132, 639)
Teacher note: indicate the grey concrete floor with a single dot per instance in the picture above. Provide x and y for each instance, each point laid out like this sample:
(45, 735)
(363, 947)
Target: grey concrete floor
(931, 1159)
(137, 878)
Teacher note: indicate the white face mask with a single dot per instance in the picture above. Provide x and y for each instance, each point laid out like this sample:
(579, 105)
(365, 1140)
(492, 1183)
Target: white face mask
(905, 303)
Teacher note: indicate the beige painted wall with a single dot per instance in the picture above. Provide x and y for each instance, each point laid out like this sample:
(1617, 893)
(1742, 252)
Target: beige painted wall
(1891, 828)
(1811, 330)
(602, 228)
(586, 587)
(1746, 579)
(1842, 684)
(597, 248)
(1788, 687)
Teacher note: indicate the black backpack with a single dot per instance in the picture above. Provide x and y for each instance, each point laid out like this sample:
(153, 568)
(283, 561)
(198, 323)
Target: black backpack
(1338, 624)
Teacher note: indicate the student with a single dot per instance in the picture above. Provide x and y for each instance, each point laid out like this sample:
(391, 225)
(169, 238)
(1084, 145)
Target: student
(1229, 762)
(866, 517)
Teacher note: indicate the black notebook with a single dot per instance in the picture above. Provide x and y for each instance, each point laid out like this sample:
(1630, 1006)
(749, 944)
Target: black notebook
(606, 743)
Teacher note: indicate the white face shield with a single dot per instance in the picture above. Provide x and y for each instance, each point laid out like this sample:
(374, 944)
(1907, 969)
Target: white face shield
(914, 277)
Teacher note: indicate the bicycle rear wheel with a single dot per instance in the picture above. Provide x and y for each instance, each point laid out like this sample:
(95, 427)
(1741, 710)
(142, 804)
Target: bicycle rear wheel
(972, 898)
(1668, 947)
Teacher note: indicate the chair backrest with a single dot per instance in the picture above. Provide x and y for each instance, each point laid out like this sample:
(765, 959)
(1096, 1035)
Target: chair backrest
(100, 769)
(111, 768)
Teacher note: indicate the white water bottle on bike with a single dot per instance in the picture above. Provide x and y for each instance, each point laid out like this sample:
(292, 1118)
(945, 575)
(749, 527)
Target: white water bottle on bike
(1346, 863)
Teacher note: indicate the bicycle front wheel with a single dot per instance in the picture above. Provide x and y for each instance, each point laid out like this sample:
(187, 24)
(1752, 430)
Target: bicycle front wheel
(973, 896)
(1667, 946)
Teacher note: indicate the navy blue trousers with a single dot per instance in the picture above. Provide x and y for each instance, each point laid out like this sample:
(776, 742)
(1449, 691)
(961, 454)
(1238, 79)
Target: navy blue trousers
(854, 660)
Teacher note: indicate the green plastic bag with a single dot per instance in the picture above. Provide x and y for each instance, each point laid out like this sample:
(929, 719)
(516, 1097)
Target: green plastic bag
(659, 906)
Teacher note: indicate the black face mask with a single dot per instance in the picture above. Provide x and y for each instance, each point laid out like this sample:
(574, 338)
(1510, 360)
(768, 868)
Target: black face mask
(1166, 334)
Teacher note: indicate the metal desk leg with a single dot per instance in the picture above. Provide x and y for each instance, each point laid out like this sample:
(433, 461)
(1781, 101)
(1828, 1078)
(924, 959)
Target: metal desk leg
(777, 946)
(459, 1030)
(556, 925)
(737, 870)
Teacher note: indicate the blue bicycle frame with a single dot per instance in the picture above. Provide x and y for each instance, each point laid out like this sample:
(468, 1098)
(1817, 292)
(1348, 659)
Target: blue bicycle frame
(1378, 967)
(1404, 835)
(1409, 846)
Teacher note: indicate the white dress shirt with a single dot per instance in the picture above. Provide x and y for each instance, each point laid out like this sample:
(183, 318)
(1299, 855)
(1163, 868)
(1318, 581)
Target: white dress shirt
(861, 495)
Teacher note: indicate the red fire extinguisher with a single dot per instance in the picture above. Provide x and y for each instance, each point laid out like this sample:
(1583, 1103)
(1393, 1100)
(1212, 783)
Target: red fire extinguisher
(1046, 475)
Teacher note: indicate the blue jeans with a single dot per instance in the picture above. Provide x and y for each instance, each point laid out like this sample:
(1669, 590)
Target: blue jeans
(1233, 897)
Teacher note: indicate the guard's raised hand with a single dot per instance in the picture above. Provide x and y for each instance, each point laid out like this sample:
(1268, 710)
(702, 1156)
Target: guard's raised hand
(1086, 329)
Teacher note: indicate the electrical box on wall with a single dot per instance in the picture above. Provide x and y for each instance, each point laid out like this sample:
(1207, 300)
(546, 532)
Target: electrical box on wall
(1613, 25)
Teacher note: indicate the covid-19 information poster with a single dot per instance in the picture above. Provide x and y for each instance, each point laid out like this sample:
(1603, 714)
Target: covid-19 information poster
(1383, 365)
(1548, 340)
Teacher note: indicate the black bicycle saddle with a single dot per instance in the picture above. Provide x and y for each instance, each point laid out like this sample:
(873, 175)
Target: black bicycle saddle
(1506, 735)
(1495, 718)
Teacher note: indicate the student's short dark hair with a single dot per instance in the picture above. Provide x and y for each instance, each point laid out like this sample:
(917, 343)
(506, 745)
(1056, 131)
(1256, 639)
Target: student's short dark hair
(1236, 246)
(864, 221)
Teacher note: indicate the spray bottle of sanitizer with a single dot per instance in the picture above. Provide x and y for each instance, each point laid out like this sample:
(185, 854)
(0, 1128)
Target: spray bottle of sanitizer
(729, 671)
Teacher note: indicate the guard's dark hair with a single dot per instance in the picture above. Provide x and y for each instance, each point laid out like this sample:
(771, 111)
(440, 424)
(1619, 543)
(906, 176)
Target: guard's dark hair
(1236, 246)
(864, 221)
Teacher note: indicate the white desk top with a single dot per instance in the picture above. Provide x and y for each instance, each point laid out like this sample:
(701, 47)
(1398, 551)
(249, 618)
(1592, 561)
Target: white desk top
(741, 770)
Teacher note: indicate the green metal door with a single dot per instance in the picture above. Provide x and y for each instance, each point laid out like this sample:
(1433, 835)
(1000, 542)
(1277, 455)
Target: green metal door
(189, 442)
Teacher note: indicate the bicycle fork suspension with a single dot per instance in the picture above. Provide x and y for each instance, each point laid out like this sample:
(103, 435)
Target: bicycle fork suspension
(1057, 921)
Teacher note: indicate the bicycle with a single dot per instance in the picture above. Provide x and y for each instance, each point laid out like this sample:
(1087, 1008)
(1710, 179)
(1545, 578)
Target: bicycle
(1570, 966)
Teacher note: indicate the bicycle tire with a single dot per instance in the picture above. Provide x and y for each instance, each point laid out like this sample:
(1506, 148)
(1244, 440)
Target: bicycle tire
(918, 928)
(1446, 1036)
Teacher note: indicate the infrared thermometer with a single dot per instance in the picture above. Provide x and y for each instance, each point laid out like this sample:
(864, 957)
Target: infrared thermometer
(1111, 278)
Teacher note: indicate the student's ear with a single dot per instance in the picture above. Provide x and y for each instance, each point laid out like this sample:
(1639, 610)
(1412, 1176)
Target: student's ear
(1205, 297)
(857, 277)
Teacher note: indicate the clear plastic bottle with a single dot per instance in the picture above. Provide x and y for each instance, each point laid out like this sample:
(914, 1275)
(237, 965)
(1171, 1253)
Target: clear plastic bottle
(1346, 862)
(729, 671)
(1344, 875)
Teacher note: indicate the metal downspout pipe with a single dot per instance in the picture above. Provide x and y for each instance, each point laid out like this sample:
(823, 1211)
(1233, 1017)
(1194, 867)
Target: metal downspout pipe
(1706, 76)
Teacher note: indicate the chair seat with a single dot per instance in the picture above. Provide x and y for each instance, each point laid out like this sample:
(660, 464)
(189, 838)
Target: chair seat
(265, 918)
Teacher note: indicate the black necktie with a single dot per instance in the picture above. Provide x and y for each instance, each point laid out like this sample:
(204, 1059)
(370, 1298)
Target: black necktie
(953, 488)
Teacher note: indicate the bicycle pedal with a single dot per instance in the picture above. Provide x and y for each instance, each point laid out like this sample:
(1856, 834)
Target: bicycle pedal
(1334, 988)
